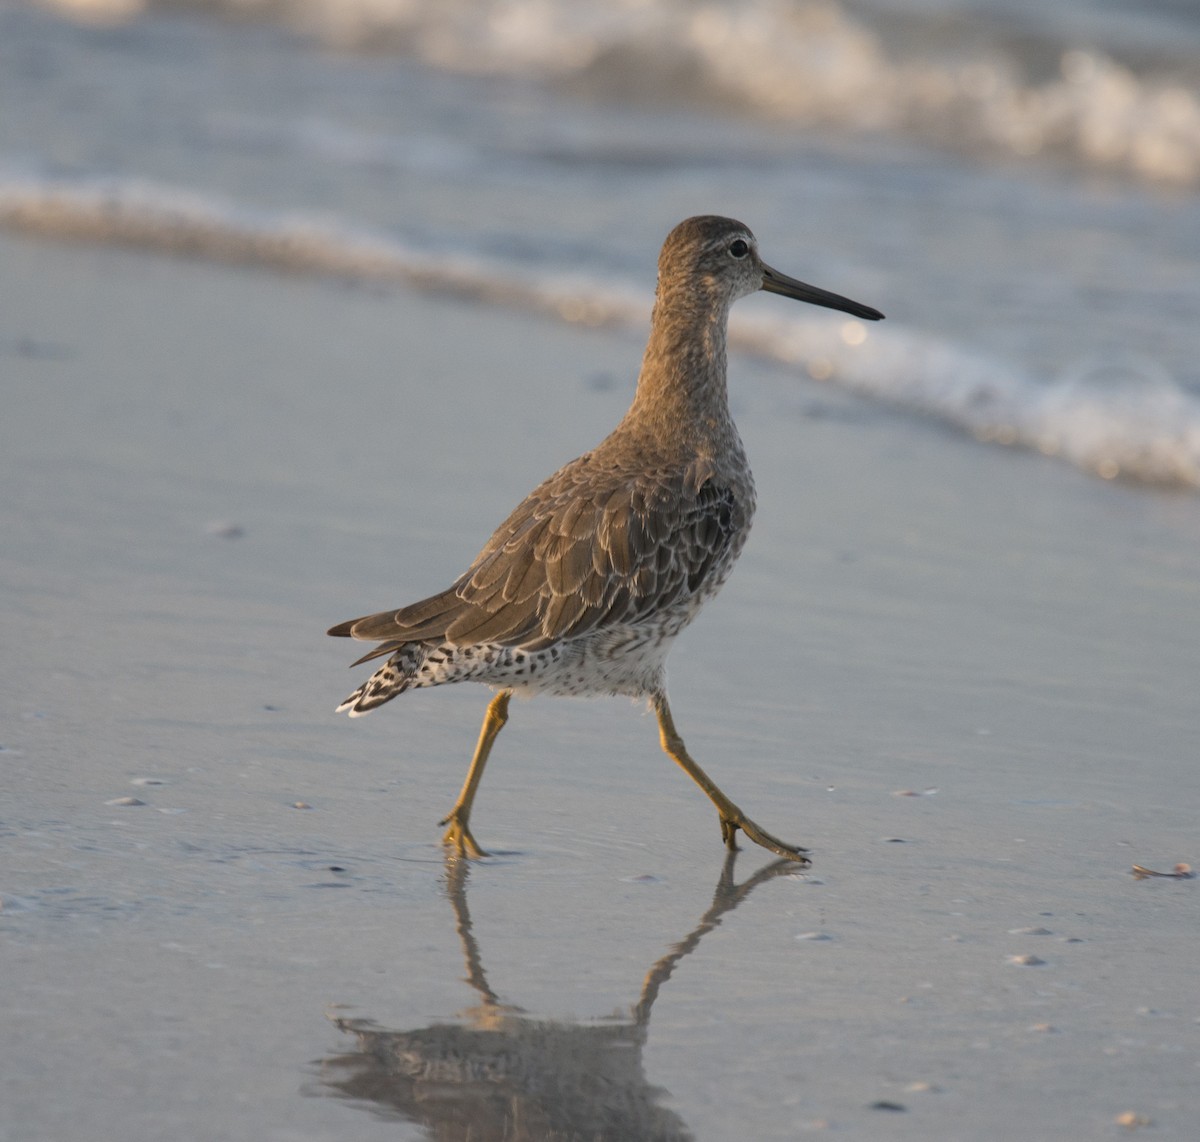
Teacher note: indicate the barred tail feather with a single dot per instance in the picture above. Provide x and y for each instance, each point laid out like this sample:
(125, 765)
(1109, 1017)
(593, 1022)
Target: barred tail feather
(394, 677)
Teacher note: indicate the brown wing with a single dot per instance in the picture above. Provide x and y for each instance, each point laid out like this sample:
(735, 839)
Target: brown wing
(585, 550)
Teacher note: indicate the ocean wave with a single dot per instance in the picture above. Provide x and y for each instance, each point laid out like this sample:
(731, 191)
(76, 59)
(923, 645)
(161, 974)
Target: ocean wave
(1114, 417)
(1120, 418)
(808, 62)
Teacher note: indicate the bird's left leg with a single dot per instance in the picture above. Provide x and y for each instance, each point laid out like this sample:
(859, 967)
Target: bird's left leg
(732, 818)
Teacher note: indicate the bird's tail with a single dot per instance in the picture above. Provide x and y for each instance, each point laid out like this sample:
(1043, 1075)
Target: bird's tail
(392, 678)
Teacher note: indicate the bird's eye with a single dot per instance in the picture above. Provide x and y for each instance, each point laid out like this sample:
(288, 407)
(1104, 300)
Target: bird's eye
(738, 248)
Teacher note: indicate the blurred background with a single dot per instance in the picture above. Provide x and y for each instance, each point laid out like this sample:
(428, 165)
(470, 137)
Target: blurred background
(1014, 184)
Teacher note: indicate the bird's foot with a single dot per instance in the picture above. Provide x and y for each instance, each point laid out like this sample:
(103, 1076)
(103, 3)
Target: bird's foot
(458, 836)
(731, 824)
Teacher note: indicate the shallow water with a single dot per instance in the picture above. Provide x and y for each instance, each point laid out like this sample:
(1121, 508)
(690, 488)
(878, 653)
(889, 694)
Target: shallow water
(1010, 641)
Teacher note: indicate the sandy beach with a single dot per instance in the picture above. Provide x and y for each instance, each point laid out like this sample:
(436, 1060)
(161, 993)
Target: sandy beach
(964, 677)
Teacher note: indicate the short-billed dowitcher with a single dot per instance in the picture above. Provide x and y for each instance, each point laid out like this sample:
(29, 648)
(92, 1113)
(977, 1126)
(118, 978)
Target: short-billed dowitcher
(582, 590)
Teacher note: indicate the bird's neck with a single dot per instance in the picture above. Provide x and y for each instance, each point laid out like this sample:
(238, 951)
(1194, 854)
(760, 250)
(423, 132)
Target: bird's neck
(682, 387)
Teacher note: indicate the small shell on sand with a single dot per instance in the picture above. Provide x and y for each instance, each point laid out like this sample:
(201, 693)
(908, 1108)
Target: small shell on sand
(1180, 872)
(1131, 1120)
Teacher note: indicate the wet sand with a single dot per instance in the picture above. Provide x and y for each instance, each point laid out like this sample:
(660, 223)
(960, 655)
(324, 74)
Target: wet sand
(965, 677)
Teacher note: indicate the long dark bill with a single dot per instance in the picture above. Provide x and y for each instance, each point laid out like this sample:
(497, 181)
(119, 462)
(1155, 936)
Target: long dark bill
(775, 282)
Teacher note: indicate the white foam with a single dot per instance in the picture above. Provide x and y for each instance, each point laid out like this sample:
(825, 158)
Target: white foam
(1114, 417)
(1122, 418)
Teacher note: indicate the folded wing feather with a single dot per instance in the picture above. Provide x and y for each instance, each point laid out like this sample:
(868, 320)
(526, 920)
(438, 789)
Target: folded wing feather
(583, 551)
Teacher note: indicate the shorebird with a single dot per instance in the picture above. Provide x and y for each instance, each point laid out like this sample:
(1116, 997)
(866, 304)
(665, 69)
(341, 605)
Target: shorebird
(583, 589)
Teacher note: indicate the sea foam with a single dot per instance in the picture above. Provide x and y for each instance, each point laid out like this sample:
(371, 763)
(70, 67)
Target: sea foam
(1119, 417)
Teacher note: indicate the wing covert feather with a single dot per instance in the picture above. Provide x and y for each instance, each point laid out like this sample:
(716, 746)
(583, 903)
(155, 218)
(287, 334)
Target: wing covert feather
(585, 550)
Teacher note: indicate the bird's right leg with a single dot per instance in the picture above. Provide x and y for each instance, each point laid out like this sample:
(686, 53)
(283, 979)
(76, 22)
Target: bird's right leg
(458, 834)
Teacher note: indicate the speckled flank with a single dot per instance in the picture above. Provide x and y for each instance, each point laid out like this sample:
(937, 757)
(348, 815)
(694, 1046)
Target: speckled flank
(627, 660)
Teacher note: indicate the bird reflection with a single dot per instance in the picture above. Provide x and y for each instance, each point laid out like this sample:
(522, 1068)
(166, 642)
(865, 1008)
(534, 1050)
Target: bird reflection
(499, 1075)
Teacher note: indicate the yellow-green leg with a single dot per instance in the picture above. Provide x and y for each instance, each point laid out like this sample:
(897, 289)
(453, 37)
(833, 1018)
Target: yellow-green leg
(459, 834)
(732, 818)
